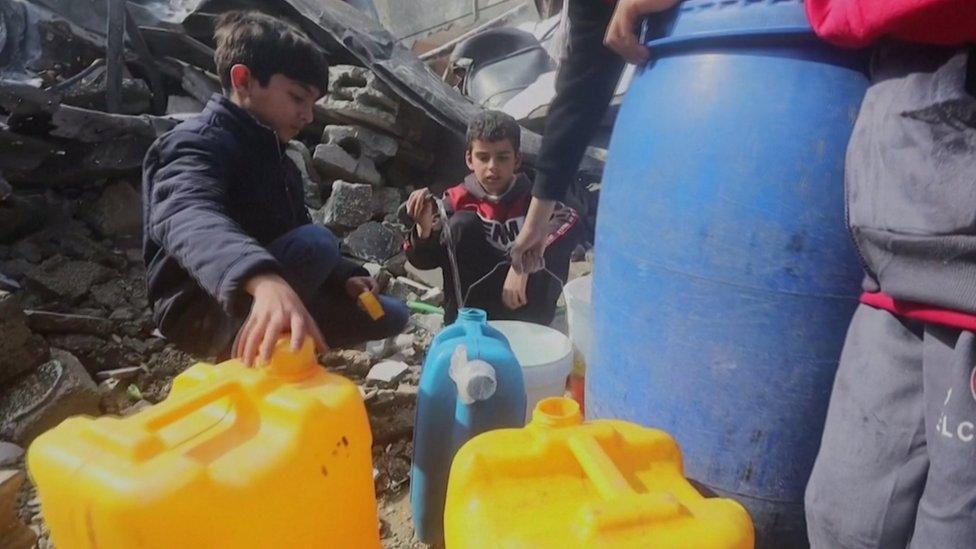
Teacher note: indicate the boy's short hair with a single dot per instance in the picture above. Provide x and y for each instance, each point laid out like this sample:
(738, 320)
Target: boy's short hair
(267, 47)
(494, 126)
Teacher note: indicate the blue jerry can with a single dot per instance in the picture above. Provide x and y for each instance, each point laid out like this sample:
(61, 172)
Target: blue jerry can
(471, 383)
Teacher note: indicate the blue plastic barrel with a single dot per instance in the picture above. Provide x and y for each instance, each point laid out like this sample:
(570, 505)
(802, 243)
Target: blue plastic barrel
(444, 422)
(725, 277)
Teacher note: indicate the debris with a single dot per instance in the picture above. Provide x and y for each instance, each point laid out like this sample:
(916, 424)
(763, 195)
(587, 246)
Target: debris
(121, 374)
(302, 158)
(348, 360)
(333, 162)
(14, 534)
(20, 350)
(406, 289)
(380, 348)
(432, 323)
(403, 342)
(118, 212)
(59, 277)
(10, 454)
(386, 200)
(356, 94)
(373, 241)
(349, 206)
(387, 372)
(38, 401)
(47, 322)
(371, 143)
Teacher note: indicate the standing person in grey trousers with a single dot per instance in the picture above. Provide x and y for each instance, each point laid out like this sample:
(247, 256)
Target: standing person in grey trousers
(897, 463)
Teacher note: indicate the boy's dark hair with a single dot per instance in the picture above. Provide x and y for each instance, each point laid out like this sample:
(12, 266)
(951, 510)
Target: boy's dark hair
(267, 46)
(494, 126)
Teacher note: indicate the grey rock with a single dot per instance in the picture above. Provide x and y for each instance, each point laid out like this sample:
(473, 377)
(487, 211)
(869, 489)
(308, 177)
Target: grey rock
(16, 268)
(117, 212)
(350, 205)
(58, 389)
(111, 294)
(386, 201)
(433, 278)
(29, 250)
(387, 372)
(334, 162)
(349, 360)
(396, 265)
(373, 242)
(95, 353)
(47, 322)
(302, 158)
(380, 348)
(20, 215)
(432, 323)
(59, 277)
(371, 143)
(403, 288)
(10, 454)
(356, 94)
(20, 350)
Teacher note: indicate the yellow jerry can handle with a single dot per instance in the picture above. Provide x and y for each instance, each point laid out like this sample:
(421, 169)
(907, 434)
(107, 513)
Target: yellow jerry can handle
(138, 436)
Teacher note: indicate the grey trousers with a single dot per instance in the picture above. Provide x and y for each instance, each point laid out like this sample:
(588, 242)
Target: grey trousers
(897, 463)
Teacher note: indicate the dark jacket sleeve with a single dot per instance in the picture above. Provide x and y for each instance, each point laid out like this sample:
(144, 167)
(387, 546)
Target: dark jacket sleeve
(585, 83)
(188, 217)
(562, 221)
(426, 253)
(346, 269)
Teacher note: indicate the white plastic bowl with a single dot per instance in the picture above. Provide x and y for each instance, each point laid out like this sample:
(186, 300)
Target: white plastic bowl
(546, 356)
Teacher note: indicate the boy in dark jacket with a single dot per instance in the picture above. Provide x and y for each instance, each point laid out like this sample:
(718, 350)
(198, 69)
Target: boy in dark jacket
(485, 214)
(228, 243)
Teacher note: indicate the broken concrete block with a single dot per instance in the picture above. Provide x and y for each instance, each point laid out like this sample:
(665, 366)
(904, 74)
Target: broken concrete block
(58, 389)
(373, 269)
(387, 372)
(59, 277)
(14, 534)
(176, 104)
(350, 360)
(430, 322)
(396, 265)
(20, 350)
(434, 296)
(373, 242)
(350, 205)
(46, 322)
(334, 162)
(356, 94)
(371, 143)
(380, 348)
(403, 288)
(118, 212)
(302, 158)
(433, 278)
(386, 201)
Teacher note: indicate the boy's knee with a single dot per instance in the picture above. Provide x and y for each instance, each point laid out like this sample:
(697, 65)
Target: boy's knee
(396, 316)
(308, 246)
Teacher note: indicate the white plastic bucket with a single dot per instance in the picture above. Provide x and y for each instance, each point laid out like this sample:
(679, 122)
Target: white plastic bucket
(579, 314)
(546, 356)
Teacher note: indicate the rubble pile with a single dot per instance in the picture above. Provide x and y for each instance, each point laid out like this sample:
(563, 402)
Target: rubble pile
(76, 331)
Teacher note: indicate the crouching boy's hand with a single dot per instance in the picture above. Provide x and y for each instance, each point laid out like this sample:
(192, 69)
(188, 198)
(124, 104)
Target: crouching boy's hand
(276, 309)
(420, 207)
(359, 284)
(513, 292)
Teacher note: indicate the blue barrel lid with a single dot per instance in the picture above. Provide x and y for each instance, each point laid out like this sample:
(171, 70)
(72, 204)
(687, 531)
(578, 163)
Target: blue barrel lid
(697, 20)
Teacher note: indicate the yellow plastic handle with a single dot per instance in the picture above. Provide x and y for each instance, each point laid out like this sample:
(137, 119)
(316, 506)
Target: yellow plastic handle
(372, 305)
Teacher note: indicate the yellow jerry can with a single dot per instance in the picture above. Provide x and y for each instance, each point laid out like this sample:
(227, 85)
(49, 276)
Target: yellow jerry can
(563, 483)
(236, 457)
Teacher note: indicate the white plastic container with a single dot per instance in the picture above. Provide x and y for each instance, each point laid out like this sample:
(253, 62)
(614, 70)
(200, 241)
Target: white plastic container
(546, 356)
(579, 314)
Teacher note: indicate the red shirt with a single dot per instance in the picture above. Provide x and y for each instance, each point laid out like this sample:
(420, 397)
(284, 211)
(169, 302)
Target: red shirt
(856, 23)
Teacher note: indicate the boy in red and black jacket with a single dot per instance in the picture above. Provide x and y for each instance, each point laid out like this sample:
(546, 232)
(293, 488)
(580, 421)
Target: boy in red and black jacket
(485, 214)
